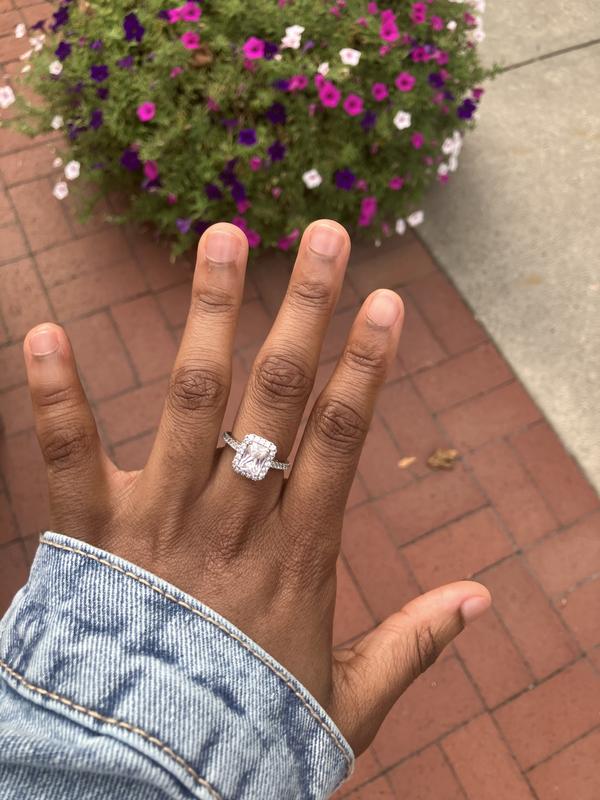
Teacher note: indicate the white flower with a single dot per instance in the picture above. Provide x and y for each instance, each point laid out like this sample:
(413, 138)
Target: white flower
(402, 120)
(20, 30)
(24, 56)
(400, 226)
(57, 122)
(416, 218)
(479, 6)
(37, 42)
(442, 169)
(7, 96)
(377, 242)
(55, 68)
(451, 25)
(350, 56)
(61, 190)
(323, 69)
(277, 57)
(453, 162)
(312, 178)
(294, 30)
(478, 35)
(26, 68)
(72, 170)
(291, 41)
(58, 162)
(448, 146)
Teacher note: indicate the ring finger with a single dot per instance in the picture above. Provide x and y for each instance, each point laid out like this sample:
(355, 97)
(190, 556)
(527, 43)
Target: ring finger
(283, 373)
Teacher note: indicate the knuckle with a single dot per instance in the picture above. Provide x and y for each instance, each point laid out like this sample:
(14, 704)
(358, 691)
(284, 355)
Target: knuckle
(53, 397)
(310, 294)
(67, 445)
(366, 359)
(280, 380)
(340, 425)
(192, 389)
(212, 300)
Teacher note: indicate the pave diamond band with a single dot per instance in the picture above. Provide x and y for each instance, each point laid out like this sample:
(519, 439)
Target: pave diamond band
(254, 456)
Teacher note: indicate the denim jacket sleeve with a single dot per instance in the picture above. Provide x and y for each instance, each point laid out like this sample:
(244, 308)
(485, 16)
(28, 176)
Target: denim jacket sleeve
(115, 684)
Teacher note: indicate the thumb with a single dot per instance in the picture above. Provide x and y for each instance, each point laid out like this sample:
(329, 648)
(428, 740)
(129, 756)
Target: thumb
(371, 676)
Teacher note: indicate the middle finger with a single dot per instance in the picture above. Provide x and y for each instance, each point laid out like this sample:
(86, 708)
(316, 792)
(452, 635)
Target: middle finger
(284, 370)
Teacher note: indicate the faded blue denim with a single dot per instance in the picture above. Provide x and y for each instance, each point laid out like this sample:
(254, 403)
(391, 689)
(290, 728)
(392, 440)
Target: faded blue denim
(115, 684)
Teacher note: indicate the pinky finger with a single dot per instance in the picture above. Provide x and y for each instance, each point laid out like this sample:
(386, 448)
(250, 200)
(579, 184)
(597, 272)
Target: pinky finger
(77, 466)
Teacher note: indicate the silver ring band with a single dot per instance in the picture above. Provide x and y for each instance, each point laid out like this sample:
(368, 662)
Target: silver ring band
(254, 457)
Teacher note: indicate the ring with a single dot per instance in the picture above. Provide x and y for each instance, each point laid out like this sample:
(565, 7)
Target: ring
(254, 456)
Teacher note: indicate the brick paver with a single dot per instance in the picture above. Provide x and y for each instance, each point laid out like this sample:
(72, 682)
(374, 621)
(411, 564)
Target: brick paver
(513, 708)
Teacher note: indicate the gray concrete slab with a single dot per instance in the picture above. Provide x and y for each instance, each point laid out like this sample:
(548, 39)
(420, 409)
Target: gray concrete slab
(518, 230)
(517, 30)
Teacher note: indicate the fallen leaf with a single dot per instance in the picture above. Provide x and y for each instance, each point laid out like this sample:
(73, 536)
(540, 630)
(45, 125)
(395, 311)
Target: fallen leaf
(442, 459)
(406, 461)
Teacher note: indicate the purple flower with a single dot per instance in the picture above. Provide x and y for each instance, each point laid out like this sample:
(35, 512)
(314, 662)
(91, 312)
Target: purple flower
(276, 151)
(39, 25)
(60, 17)
(247, 136)
(133, 29)
(231, 122)
(183, 225)
(276, 114)
(102, 92)
(368, 121)
(238, 191)
(466, 109)
(125, 63)
(213, 192)
(270, 50)
(436, 80)
(96, 119)
(63, 51)
(281, 84)
(99, 72)
(344, 179)
(97, 44)
(131, 160)
(200, 226)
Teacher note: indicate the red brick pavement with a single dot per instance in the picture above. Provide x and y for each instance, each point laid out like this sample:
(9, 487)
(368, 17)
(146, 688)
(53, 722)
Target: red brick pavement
(513, 709)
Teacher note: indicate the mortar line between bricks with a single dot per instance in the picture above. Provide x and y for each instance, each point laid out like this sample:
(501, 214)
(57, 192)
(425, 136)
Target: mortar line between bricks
(13, 515)
(552, 54)
(450, 766)
(128, 358)
(561, 749)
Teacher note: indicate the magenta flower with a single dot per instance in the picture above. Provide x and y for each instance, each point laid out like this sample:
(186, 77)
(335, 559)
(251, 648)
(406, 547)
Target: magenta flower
(190, 40)
(298, 82)
(176, 71)
(174, 15)
(362, 21)
(171, 199)
(418, 13)
(255, 163)
(254, 48)
(372, 8)
(191, 12)
(353, 105)
(388, 15)
(405, 81)
(396, 183)
(389, 31)
(417, 140)
(319, 81)
(437, 23)
(368, 209)
(442, 58)
(379, 91)
(151, 170)
(384, 49)
(253, 238)
(329, 94)
(288, 241)
(146, 111)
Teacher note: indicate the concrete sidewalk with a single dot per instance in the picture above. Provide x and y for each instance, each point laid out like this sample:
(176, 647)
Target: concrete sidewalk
(517, 226)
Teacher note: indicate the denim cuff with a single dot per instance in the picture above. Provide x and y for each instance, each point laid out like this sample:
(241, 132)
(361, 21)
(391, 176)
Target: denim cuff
(127, 655)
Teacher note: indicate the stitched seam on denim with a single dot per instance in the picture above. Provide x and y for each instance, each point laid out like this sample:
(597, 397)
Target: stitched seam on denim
(200, 614)
(118, 723)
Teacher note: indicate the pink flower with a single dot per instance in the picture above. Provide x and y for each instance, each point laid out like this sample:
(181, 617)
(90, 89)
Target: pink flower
(298, 82)
(191, 12)
(362, 21)
(388, 15)
(243, 206)
(255, 163)
(276, 191)
(405, 81)
(396, 183)
(250, 65)
(443, 178)
(312, 109)
(171, 199)
(287, 241)
(151, 170)
(389, 31)
(211, 104)
(362, 185)
(418, 13)
(190, 40)
(437, 23)
(240, 222)
(368, 209)
(384, 49)
(372, 8)
(335, 11)
(379, 91)
(477, 93)
(254, 48)
(441, 57)
(418, 54)
(146, 111)
(174, 15)
(253, 238)
(319, 81)
(353, 105)
(329, 94)
(176, 71)
(417, 140)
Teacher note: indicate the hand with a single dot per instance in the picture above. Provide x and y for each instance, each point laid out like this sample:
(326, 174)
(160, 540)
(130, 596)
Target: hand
(261, 553)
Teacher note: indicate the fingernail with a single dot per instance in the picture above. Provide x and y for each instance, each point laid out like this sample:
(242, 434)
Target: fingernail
(326, 241)
(383, 309)
(222, 247)
(44, 342)
(473, 608)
